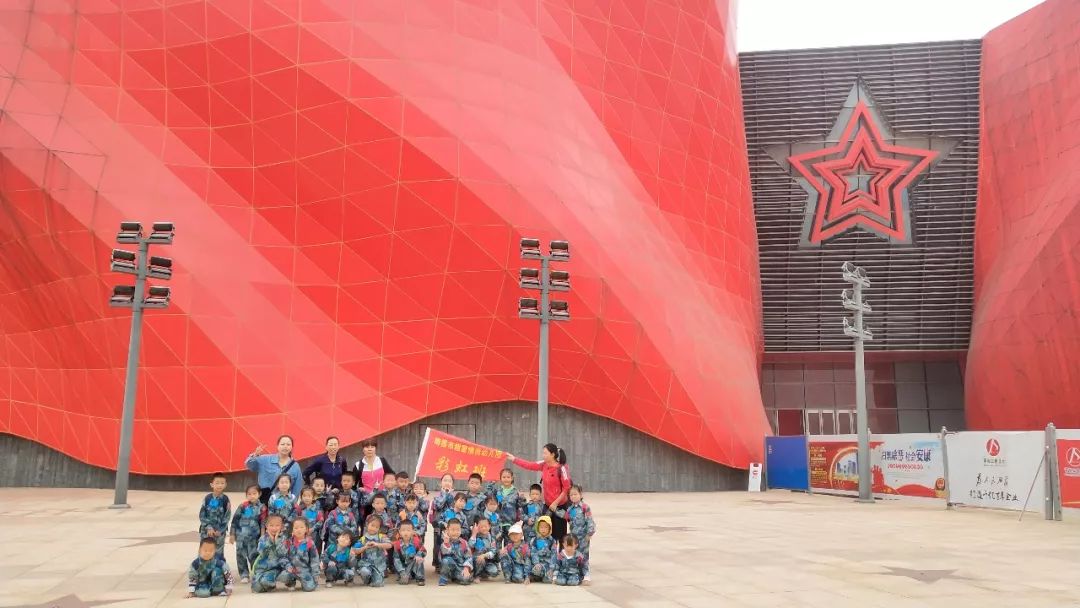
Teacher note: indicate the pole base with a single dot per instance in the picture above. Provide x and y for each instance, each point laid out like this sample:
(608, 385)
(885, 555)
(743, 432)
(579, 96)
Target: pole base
(865, 501)
(120, 506)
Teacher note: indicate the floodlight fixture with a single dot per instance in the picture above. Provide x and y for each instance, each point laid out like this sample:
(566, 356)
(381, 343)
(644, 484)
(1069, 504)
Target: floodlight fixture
(123, 296)
(559, 280)
(560, 311)
(560, 251)
(162, 234)
(130, 232)
(530, 249)
(529, 278)
(159, 268)
(158, 297)
(529, 308)
(123, 261)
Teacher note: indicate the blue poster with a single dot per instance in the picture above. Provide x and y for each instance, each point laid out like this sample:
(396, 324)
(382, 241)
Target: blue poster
(787, 465)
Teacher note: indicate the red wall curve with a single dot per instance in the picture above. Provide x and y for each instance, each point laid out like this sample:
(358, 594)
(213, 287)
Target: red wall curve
(349, 182)
(1023, 368)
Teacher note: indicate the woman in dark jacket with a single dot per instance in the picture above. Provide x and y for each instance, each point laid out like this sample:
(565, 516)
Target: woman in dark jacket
(330, 465)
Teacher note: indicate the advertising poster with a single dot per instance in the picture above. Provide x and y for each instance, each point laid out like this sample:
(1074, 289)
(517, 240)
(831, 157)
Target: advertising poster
(1068, 457)
(834, 464)
(997, 469)
(906, 465)
(910, 464)
(444, 453)
(786, 463)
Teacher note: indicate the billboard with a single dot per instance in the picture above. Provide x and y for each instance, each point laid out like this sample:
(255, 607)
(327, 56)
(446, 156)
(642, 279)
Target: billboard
(997, 469)
(908, 465)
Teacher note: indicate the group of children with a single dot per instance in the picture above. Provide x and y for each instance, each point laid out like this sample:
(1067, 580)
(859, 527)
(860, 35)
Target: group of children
(349, 536)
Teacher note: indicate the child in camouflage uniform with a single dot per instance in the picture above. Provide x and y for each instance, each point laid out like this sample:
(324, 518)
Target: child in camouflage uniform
(340, 520)
(303, 558)
(571, 567)
(532, 510)
(338, 561)
(457, 563)
(579, 522)
(313, 513)
(273, 556)
(208, 574)
(215, 512)
(409, 554)
(440, 504)
(282, 501)
(542, 549)
(370, 552)
(514, 556)
(510, 505)
(246, 526)
(484, 547)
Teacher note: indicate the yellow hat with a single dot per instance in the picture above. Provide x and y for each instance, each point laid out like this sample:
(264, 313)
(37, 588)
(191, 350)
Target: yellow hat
(543, 519)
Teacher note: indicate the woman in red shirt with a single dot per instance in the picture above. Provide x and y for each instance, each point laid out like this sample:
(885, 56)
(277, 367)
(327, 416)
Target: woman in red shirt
(555, 480)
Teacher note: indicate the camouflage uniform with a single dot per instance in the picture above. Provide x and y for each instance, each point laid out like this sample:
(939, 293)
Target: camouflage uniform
(247, 525)
(542, 550)
(315, 520)
(339, 564)
(270, 564)
(484, 549)
(531, 513)
(405, 563)
(303, 564)
(456, 556)
(283, 505)
(517, 562)
(570, 570)
(336, 522)
(510, 508)
(371, 564)
(210, 577)
(214, 514)
(580, 523)
(442, 502)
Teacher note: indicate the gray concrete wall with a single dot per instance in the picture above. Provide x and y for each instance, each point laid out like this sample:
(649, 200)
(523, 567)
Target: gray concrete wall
(603, 455)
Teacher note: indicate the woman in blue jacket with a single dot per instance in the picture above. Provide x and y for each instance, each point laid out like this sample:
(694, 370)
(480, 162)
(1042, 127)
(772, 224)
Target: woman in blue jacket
(268, 467)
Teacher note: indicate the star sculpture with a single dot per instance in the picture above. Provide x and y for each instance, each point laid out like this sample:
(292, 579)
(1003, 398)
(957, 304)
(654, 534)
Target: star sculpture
(859, 175)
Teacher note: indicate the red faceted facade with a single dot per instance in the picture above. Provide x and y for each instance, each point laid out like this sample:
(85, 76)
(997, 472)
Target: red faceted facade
(349, 182)
(1023, 367)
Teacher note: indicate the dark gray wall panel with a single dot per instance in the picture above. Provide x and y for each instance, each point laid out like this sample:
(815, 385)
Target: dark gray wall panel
(603, 454)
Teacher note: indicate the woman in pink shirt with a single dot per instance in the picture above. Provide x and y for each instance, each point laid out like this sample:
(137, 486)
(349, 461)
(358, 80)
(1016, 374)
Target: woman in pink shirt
(555, 480)
(371, 468)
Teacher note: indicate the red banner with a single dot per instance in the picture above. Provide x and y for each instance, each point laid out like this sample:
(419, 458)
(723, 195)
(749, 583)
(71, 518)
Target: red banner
(1068, 453)
(442, 453)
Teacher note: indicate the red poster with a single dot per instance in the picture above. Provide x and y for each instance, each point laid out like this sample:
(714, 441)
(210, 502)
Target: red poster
(442, 453)
(1068, 453)
(834, 466)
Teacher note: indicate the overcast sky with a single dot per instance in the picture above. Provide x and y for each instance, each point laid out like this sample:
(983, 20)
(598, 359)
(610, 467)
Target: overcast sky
(796, 24)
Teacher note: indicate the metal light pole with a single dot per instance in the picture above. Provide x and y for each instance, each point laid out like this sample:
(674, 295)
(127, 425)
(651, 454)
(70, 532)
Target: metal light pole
(546, 310)
(852, 300)
(137, 298)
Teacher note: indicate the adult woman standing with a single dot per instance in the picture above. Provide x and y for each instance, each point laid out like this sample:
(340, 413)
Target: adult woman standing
(371, 469)
(330, 465)
(555, 480)
(268, 467)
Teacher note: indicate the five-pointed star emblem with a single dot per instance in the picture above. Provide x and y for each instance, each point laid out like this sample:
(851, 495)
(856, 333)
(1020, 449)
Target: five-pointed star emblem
(860, 174)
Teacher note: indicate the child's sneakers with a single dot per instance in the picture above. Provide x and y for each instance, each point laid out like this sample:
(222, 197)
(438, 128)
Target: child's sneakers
(587, 580)
(420, 583)
(442, 581)
(329, 585)
(244, 580)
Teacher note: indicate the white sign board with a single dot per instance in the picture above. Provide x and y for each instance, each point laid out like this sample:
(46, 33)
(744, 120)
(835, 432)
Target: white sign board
(755, 477)
(997, 469)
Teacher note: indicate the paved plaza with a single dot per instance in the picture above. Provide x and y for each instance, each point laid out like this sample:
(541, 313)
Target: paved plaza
(63, 548)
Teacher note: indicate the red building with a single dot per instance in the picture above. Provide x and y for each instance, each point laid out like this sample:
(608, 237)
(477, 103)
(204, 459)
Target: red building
(350, 182)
